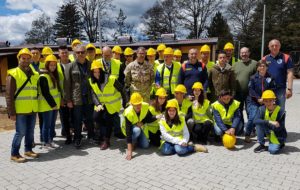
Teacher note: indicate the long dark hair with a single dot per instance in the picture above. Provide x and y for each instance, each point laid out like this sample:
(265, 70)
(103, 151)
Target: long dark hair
(101, 79)
(157, 107)
(175, 120)
(201, 98)
(53, 75)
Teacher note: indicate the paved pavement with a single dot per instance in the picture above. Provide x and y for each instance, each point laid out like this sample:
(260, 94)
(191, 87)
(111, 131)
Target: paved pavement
(90, 168)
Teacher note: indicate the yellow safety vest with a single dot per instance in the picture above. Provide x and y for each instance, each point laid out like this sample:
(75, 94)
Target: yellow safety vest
(175, 130)
(209, 65)
(41, 66)
(186, 104)
(273, 117)
(199, 113)
(72, 57)
(131, 115)
(114, 67)
(54, 92)
(26, 102)
(154, 126)
(109, 97)
(61, 77)
(166, 76)
(226, 116)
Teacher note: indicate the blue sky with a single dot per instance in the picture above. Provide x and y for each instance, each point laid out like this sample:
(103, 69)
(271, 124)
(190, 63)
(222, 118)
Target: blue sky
(16, 16)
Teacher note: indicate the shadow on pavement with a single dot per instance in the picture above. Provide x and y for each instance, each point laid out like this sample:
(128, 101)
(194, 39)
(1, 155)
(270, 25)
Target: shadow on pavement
(292, 137)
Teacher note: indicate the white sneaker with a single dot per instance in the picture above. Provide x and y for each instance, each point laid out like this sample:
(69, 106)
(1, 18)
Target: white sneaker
(47, 146)
(54, 145)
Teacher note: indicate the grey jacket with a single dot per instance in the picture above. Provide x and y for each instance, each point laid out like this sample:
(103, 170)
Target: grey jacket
(74, 80)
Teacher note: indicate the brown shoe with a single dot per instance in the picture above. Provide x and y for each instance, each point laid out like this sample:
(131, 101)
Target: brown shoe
(247, 139)
(18, 159)
(31, 154)
(200, 148)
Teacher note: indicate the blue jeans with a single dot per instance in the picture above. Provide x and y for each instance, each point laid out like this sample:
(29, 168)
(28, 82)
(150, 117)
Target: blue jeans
(81, 112)
(24, 127)
(251, 112)
(169, 149)
(139, 137)
(48, 126)
(280, 97)
(219, 131)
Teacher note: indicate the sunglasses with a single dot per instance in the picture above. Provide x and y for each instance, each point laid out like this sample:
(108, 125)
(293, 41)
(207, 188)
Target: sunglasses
(80, 52)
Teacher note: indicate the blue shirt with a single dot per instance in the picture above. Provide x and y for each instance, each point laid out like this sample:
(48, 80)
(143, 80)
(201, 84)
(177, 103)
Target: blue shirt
(36, 66)
(278, 68)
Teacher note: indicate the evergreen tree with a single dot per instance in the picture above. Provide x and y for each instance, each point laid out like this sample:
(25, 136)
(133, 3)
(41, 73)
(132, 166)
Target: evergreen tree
(68, 23)
(219, 28)
(120, 22)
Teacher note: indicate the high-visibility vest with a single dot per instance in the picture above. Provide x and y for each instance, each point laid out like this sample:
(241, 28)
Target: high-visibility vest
(185, 105)
(166, 83)
(54, 92)
(131, 115)
(26, 101)
(175, 130)
(272, 136)
(158, 61)
(114, 68)
(71, 57)
(154, 126)
(209, 65)
(199, 113)
(226, 116)
(61, 77)
(41, 66)
(153, 89)
(109, 97)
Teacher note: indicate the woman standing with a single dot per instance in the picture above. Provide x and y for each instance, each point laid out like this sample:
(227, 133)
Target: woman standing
(49, 99)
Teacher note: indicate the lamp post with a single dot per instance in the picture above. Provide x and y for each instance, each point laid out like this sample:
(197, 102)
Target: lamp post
(263, 32)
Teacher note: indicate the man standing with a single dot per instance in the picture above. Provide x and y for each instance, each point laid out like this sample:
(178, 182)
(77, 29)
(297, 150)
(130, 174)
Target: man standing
(78, 94)
(205, 57)
(117, 52)
(139, 75)
(192, 71)
(160, 50)
(280, 68)
(243, 70)
(229, 49)
(75, 43)
(111, 66)
(221, 77)
(22, 104)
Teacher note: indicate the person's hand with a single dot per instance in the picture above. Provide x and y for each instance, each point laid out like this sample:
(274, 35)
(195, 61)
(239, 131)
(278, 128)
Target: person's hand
(159, 116)
(184, 144)
(70, 104)
(230, 131)
(55, 108)
(99, 108)
(288, 94)
(129, 155)
(139, 124)
(260, 100)
(274, 123)
(157, 86)
(190, 97)
(12, 117)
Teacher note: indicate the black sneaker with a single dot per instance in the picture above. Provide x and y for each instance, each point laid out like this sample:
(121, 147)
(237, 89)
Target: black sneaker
(282, 145)
(68, 141)
(260, 148)
(78, 143)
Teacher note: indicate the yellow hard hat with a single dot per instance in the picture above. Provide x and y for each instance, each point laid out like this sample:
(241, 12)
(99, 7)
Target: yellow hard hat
(168, 51)
(161, 47)
(172, 104)
(96, 64)
(24, 51)
(229, 141)
(204, 48)
(228, 46)
(98, 51)
(177, 52)
(75, 42)
(117, 49)
(128, 51)
(47, 51)
(151, 51)
(268, 94)
(180, 88)
(50, 58)
(136, 98)
(197, 85)
(161, 92)
(88, 46)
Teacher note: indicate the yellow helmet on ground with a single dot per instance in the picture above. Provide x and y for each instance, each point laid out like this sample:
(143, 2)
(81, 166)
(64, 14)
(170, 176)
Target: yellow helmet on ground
(76, 42)
(172, 104)
(117, 49)
(24, 51)
(98, 51)
(161, 92)
(177, 52)
(197, 85)
(50, 58)
(151, 51)
(47, 51)
(89, 46)
(128, 51)
(268, 94)
(205, 48)
(161, 47)
(180, 88)
(229, 141)
(168, 51)
(228, 46)
(136, 98)
(96, 64)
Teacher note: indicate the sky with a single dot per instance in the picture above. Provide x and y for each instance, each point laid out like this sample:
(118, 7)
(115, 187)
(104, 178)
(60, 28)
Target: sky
(16, 16)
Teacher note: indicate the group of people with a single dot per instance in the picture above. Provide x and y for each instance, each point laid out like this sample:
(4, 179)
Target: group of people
(173, 104)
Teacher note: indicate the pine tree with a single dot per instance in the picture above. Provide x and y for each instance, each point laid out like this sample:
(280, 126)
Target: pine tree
(120, 22)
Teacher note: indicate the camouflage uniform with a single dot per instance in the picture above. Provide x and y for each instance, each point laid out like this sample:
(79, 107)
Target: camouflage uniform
(139, 78)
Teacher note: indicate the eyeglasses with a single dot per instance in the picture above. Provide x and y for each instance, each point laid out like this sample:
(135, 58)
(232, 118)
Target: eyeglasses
(80, 52)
